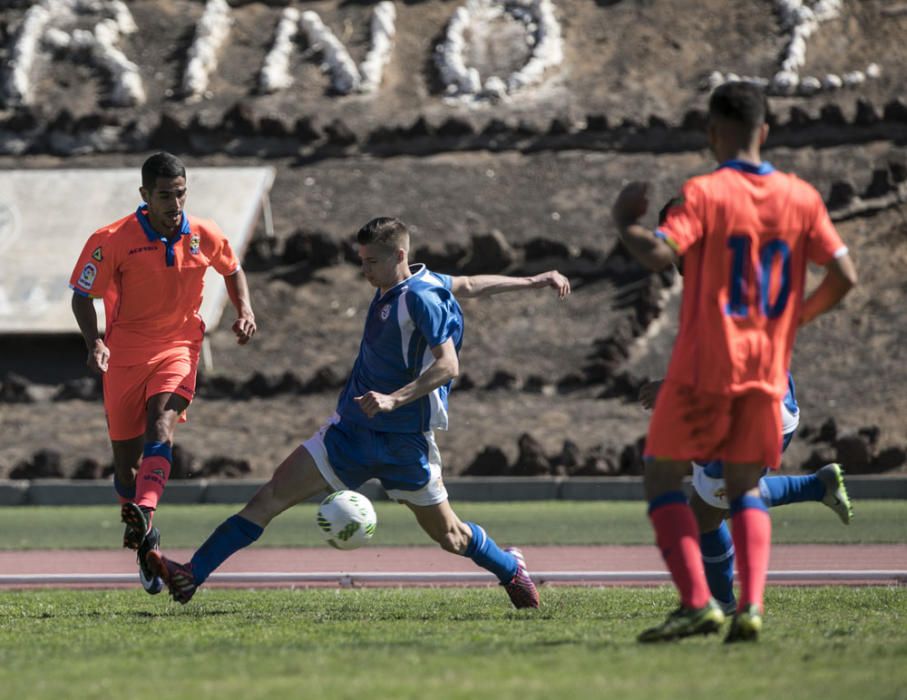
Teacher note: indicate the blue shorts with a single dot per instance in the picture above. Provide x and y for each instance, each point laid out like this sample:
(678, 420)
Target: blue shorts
(408, 465)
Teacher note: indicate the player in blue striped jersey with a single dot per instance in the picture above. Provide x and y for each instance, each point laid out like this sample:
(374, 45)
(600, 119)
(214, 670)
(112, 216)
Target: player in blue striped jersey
(394, 399)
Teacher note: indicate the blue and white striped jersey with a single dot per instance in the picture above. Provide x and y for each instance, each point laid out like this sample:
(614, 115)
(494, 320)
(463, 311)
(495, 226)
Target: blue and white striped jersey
(401, 327)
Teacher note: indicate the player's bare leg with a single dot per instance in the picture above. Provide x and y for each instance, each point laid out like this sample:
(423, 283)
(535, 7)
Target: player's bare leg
(467, 539)
(295, 480)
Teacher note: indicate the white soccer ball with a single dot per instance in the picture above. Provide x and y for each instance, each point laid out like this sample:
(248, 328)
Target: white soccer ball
(347, 519)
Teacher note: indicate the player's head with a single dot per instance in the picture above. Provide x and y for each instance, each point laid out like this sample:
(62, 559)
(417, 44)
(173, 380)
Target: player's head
(164, 190)
(737, 112)
(383, 250)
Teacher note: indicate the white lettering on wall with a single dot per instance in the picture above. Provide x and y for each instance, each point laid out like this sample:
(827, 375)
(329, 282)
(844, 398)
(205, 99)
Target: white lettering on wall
(543, 35)
(801, 22)
(41, 30)
(210, 34)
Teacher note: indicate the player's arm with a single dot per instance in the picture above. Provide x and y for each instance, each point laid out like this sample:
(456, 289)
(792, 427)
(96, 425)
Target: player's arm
(840, 278)
(87, 318)
(486, 285)
(238, 290)
(445, 367)
(629, 207)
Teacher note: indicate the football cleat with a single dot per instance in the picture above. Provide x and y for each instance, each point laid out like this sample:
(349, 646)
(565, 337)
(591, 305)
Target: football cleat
(836, 496)
(685, 622)
(521, 589)
(178, 577)
(746, 625)
(151, 582)
(138, 522)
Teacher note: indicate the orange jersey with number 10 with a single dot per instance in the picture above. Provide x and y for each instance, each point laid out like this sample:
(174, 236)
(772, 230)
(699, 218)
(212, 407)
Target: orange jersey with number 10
(745, 233)
(152, 287)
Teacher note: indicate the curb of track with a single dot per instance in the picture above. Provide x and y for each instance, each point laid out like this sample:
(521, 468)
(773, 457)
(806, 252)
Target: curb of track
(60, 492)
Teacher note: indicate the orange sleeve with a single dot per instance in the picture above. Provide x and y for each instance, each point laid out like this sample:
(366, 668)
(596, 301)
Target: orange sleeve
(223, 259)
(824, 242)
(682, 224)
(92, 275)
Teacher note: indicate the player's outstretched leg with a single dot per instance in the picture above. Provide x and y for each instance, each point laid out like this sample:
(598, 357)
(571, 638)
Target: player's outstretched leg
(824, 486)
(470, 540)
(151, 582)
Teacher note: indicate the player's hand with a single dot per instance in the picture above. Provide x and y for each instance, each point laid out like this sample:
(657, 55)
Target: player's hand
(648, 392)
(554, 279)
(372, 403)
(244, 327)
(98, 357)
(631, 204)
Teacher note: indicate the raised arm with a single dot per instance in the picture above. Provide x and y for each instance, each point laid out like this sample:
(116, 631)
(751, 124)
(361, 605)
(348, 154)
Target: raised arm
(840, 278)
(629, 207)
(87, 318)
(238, 290)
(486, 285)
(445, 367)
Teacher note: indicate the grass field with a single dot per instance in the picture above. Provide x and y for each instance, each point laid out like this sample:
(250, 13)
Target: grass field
(532, 523)
(444, 643)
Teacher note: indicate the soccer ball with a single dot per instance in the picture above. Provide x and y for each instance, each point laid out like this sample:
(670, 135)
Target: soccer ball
(347, 519)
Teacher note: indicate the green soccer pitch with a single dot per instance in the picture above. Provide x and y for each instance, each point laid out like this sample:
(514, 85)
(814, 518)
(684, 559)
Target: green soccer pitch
(529, 523)
(822, 643)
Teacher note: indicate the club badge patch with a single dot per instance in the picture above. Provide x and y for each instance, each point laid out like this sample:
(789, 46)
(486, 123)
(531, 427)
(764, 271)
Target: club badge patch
(97, 255)
(385, 312)
(86, 279)
(195, 241)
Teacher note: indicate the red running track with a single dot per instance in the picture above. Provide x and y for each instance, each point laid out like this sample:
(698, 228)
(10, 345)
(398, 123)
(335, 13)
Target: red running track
(820, 559)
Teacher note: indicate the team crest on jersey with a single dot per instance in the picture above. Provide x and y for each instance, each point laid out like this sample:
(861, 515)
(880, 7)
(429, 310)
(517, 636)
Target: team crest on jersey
(86, 278)
(194, 242)
(97, 255)
(385, 312)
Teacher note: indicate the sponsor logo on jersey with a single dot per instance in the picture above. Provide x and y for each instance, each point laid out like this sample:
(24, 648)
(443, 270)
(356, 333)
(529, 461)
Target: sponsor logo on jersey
(86, 278)
(97, 255)
(194, 243)
(142, 249)
(385, 312)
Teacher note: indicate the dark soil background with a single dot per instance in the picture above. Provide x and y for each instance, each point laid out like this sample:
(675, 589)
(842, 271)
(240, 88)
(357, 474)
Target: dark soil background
(516, 187)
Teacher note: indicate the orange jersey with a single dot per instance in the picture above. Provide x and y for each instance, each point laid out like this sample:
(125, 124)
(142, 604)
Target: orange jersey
(745, 233)
(152, 287)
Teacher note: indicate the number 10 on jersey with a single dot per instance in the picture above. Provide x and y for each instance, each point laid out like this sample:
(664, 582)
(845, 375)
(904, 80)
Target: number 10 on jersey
(742, 289)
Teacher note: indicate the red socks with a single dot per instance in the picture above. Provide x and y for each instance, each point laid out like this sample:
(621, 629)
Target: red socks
(751, 529)
(152, 477)
(677, 536)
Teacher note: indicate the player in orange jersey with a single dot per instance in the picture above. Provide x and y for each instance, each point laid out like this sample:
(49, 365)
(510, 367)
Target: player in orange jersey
(746, 232)
(149, 269)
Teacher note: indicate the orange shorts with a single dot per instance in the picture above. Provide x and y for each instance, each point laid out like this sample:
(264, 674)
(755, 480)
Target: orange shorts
(689, 425)
(127, 389)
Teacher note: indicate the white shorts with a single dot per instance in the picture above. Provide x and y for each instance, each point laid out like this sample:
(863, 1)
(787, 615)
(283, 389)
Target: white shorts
(356, 467)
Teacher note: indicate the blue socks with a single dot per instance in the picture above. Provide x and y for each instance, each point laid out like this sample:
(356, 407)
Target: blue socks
(781, 490)
(231, 535)
(718, 558)
(126, 493)
(485, 552)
